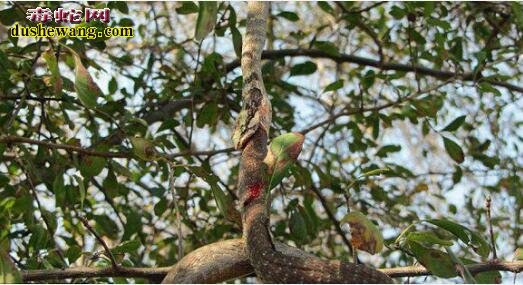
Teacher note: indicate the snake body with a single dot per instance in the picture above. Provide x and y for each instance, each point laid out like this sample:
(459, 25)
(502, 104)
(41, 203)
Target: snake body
(251, 136)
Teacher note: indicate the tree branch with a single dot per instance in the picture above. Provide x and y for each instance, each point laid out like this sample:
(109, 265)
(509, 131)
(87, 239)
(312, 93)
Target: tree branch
(101, 241)
(86, 151)
(67, 147)
(353, 111)
(346, 58)
(156, 274)
(333, 219)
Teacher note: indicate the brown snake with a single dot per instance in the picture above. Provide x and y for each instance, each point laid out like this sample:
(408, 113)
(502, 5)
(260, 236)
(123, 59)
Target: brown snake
(270, 265)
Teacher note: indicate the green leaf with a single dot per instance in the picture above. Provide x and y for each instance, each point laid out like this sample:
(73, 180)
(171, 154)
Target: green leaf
(143, 148)
(106, 225)
(126, 247)
(385, 150)
(454, 150)
(59, 190)
(112, 85)
(55, 80)
(208, 115)
(327, 47)
(368, 80)
(365, 235)
(84, 85)
(375, 172)
(397, 12)
(8, 272)
(468, 236)
(91, 165)
(206, 19)
(466, 273)
(455, 124)
(436, 261)
(488, 161)
(81, 188)
(160, 207)
(517, 10)
(39, 237)
(73, 253)
(283, 151)
(334, 86)
(298, 227)
(237, 41)
(457, 175)
(325, 6)
(489, 277)
(304, 68)
(428, 238)
(188, 7)
(223, 201)
(9, 16)
(291, 16)
(486, 87)
(439, 23)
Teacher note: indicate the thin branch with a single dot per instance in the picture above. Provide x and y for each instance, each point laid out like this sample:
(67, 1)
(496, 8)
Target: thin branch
(31, 98)
(332, 217)
(102, 242)
(366, 29)
(366, 9)
(17, 139)
(491, 232)
(353, 111)
(202, 153)
(24, 164)
(341, 58)
(412, 271)
(86, 151)
(176, 207)
(18, 107)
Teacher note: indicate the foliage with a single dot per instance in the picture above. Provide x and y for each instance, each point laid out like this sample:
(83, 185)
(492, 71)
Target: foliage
(411, 113)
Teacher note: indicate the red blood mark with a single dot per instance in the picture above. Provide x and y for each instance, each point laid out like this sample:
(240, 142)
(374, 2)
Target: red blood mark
(253, 191)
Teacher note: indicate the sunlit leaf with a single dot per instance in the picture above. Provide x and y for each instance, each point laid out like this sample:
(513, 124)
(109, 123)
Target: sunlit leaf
(206, 19)
(55, 79)
(428, 238)
(465, 273)
(365, 235)
(8, 271)
(468, 236)
(143, 148)
(73, 253)
(81, 188)
(436, 261)
(518, 254)
(126, 247)
(188, 7)
(85, 87)
(283, 151)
